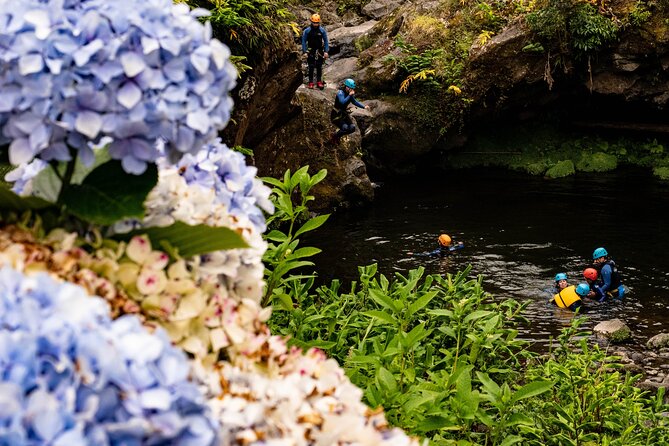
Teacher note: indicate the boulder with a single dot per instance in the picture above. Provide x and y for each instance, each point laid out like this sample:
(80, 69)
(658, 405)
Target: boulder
(377, 9)
(658, 341)
(391, 141)
(340, 69)
(342, 40)
(304, 140)
(613, 330)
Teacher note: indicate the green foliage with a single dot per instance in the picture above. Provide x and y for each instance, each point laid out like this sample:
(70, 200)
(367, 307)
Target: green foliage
(573, 24)
(290, 197)
(191, 240)
(592, 402)
(426, 348)
(108, 194)
(597, 162)
(247, 26)
(561, 169)
(661, 172)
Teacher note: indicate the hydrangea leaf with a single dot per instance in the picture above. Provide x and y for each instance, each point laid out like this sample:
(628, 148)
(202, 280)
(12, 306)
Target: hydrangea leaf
(192, 240)
(108, 194)
(46, 184)
(9, 200)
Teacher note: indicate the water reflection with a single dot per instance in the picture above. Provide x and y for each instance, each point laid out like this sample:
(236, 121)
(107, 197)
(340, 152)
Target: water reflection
(519, 231)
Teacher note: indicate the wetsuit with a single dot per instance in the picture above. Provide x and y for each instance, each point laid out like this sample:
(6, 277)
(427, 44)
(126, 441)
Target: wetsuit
(339, 115)
(609, 283)
(568, 298)
(442, 251)
(315, 44)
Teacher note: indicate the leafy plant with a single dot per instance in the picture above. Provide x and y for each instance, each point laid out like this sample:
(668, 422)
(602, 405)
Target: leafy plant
(290, 220)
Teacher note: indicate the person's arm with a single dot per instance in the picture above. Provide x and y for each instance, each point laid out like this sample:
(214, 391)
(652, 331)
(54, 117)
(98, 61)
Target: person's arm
(326, 44)
(356, 103)
(304, 40)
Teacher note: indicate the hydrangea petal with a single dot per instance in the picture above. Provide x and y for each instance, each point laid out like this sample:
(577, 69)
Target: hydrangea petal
(129, 95)
(88, 123)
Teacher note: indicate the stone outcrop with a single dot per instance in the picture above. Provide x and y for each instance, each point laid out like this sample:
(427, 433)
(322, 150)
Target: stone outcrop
(342, 40)
(304, 140)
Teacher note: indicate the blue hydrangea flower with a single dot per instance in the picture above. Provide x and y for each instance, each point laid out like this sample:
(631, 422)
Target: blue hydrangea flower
(224, 170)
(22, 176)
(70, 376)
(75, 71)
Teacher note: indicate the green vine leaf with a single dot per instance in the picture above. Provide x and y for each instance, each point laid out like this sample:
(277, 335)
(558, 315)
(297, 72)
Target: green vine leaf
(192, 240)
(108, 194)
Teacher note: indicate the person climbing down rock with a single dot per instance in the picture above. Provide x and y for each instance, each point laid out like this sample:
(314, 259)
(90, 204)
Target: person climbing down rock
(339, 115)
(315, 47)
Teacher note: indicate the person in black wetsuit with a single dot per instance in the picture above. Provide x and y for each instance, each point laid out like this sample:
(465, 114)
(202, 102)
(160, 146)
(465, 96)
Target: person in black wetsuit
(610, 283)
(446, 247)
(339, 115)
(315, 47)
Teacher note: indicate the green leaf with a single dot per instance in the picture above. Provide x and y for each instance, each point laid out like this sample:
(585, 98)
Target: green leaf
(383, 300)
(381, 315)
(108, 194)
(192, 240)
(436, 423)
(532, 389)
(489, 385)
(421, 302)
(386, 379)
(320, 176)
(510, 440)
(304, 252)
(9, 200)
(312, 224)
(478, 314)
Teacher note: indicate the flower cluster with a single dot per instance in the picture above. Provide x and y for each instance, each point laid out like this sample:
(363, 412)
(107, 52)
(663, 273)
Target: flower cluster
(71, 376)
(224, 171)
(308, 400)
(137, 71)
(217, 189)
(200, 315)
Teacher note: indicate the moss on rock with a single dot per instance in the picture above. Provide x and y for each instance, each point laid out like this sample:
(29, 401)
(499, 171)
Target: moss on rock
(597, 162)
(563, 168)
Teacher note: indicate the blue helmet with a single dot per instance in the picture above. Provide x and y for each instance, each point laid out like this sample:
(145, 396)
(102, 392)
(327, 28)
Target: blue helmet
(599, 252)
(560, 276)
(350, 83)
(582, 289)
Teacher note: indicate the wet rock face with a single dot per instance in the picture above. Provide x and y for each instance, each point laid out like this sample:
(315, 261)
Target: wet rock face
(263, 96)
(304, 140)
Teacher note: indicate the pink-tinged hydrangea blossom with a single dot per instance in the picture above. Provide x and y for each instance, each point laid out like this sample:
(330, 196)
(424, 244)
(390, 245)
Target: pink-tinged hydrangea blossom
(70, 376)
(301, 399)
(136, 71)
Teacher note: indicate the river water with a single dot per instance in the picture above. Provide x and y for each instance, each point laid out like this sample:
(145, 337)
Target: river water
(519, 231)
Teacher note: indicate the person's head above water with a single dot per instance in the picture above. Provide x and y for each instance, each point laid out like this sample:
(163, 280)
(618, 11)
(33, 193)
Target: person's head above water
(590, 274)
(561, 280)
(600, 255)
(444, 240)
(582, 289)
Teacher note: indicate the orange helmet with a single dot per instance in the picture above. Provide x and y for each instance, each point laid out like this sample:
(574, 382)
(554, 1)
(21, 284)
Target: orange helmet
(590, 273)
(444, 240)
(315, 18)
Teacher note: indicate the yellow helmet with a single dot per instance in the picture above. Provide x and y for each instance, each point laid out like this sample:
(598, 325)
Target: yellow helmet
(444, 240)
(315, 18)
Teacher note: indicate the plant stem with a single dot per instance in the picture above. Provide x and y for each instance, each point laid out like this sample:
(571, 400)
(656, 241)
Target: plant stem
(67, 177)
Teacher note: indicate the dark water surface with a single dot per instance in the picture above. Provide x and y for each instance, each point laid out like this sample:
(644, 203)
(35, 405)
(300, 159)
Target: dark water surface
(519, 231)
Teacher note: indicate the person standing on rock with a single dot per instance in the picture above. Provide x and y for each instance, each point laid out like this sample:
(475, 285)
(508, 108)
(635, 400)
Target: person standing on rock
(339, 115)
(315, 47)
